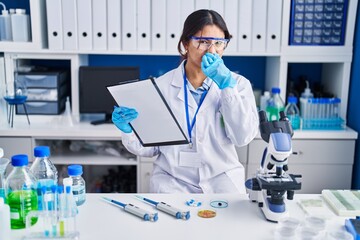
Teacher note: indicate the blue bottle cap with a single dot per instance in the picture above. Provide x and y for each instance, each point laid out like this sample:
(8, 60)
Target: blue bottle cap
(42, 151)
(292, 99)
(19, 160)
(75, 170)
(275, 90)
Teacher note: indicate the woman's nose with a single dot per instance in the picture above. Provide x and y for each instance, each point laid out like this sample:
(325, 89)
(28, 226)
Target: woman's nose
(212, 49)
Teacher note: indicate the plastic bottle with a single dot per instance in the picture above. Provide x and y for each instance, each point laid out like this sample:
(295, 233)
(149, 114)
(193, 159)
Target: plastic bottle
(44, 171)
(20, 192)
(20, 25)
(274, 105)
(5, 25)
(4, 162)
(263, 100)
(293, 112)
(78, 183)
(4, 220)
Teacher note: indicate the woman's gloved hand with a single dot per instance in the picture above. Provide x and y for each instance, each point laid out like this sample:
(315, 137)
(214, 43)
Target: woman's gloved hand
(213, 67)
(121, 117)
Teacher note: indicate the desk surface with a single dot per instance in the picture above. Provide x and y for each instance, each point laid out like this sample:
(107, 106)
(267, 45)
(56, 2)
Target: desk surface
(242, 218)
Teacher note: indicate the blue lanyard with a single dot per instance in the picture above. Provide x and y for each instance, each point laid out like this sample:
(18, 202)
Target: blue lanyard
(203, 95)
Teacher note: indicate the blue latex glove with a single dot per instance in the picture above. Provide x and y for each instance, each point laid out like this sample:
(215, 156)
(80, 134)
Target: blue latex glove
(213, 67)
(121, 117)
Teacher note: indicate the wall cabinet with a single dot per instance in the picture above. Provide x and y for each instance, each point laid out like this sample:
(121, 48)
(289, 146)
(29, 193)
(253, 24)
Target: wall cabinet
(325, 157)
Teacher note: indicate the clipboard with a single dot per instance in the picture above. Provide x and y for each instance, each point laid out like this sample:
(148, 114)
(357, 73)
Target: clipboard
(156, 124)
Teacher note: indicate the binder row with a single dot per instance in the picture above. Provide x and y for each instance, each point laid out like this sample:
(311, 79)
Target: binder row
(156, 25)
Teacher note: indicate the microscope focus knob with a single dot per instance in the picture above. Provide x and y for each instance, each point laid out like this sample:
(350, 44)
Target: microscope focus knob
(290, 194)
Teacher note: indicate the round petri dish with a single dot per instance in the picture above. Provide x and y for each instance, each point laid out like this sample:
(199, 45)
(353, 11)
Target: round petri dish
(316, 223)
(339, 235)
(284, 233)
(219, 203)
(308, 233)
(206, 213)
(289, 222)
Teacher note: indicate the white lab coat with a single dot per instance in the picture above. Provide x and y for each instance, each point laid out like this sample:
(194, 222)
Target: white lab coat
(226, 118)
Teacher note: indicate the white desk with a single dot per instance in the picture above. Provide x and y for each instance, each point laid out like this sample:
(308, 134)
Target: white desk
(242, 219)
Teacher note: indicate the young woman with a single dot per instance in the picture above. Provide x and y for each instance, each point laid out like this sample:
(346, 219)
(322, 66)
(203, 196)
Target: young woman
(214, 106)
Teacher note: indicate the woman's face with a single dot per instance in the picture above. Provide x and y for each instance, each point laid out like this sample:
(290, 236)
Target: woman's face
(194, 53)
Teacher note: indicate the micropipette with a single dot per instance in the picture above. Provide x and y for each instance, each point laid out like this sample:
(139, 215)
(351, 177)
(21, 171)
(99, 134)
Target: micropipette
(153, 217)
(167, 208)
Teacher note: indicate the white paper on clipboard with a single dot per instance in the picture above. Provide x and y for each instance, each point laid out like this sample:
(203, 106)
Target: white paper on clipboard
(155, 125)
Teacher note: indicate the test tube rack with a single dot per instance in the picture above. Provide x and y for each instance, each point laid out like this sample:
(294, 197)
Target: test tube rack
(321, 114)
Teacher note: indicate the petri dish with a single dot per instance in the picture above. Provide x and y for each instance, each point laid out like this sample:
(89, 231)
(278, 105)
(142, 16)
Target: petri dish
(339, 235)
(206, 213)
(219, 203)
(289, 222)
(284, 233)
(316, 223)
(308, 233)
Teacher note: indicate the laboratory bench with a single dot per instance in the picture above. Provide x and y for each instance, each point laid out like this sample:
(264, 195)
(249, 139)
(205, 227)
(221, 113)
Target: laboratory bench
(241, 219)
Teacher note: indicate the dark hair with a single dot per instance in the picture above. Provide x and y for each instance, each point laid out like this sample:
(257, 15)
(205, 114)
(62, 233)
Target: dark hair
(196, 21)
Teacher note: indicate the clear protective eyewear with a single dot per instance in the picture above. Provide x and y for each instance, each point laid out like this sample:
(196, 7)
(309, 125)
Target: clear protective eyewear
(205, 43)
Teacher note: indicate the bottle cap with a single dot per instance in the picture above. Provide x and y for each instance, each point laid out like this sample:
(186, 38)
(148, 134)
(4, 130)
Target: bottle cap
(42, 151)
(75, 170)
(19, 160)
(266, 93)
(275, 90)
(292, 99)
(5, 12)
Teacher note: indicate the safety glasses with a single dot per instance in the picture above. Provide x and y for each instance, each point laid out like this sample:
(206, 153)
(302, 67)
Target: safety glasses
(205, 43)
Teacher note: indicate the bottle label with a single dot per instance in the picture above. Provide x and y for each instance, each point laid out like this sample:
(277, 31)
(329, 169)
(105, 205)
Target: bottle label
(79, 194)
(273, 112)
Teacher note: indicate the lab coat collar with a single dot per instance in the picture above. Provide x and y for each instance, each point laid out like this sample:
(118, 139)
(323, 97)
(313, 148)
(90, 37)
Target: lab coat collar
(178, 82)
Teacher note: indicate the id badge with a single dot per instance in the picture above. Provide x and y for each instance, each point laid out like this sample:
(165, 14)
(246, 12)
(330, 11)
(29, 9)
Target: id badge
(189, 159)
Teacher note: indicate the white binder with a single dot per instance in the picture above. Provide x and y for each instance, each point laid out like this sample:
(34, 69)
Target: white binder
(84, 17)
(173, 25)
(114, 24)
(259, 25)
(186, 8)
(231, 19)
(69, 20)
(274, 19)
(54, 24)
(128, 25)
(218, 6)
(143, 25)
(99, 24)
(158, 25)
(245, 25)
(202, 4)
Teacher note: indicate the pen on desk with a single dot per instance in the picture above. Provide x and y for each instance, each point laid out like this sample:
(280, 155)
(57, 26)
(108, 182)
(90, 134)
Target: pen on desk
(167, 208)
(153, 217)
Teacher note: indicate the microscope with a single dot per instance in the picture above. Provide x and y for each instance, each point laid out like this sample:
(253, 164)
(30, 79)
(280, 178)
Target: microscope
(270, 184)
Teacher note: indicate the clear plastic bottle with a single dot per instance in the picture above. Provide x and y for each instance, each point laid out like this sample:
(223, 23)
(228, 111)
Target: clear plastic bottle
(20, 192)
(293, 112)
(3, 165)
(78, 183)
(4, 220)
(274, 105)
(263, 100)
(20, 24)
(5, 25)
(44, 171)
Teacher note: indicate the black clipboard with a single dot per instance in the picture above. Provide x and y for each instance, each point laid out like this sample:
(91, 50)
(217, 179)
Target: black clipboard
(156, 124)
